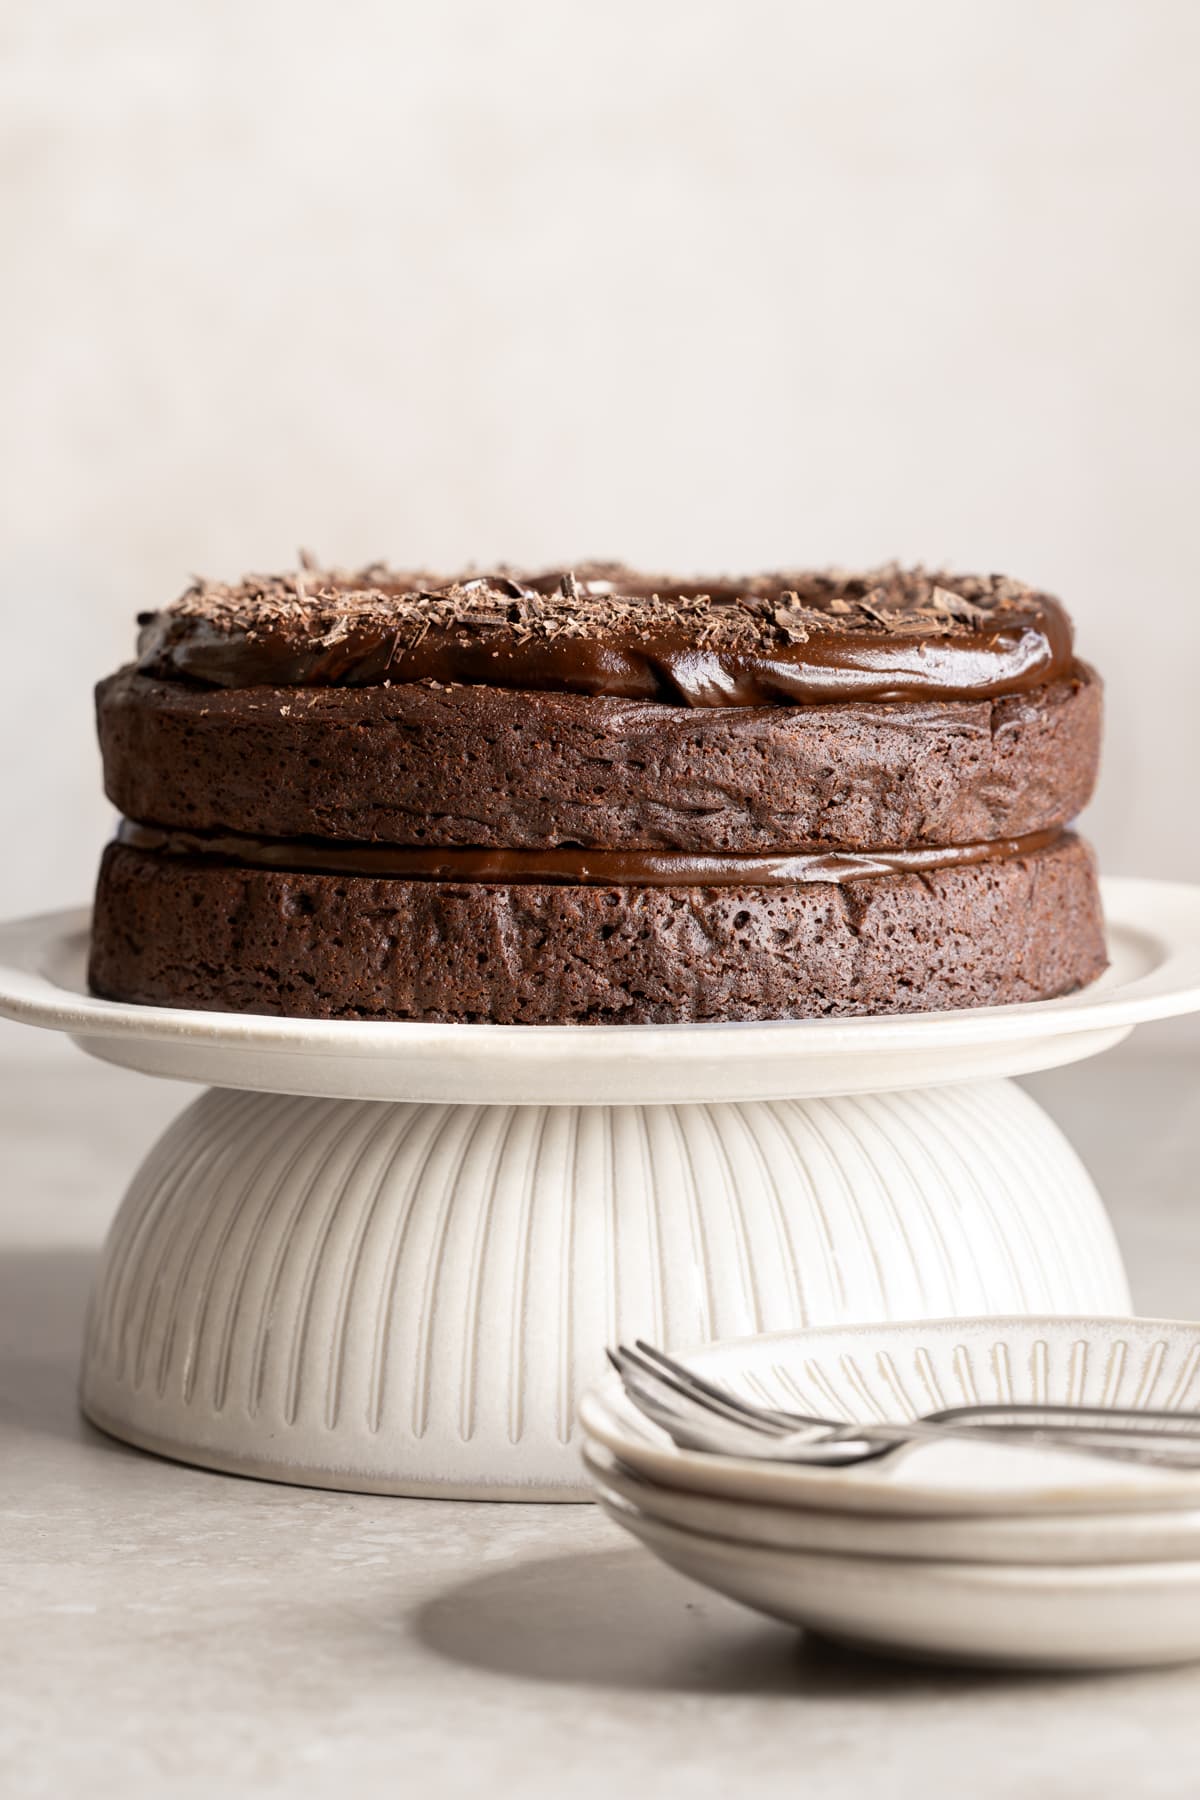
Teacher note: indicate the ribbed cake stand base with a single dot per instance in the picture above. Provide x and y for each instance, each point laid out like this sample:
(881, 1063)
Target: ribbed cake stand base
(389, 1257)
(411, 1298)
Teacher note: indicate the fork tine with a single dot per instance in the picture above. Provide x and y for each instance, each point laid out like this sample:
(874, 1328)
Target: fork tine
(690, 1427)
(714, 1405)
(788, 1421)
(632, 1363)
(705, 1425)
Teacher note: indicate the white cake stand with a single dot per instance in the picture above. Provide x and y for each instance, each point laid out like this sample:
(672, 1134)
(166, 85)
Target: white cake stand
(388, 1257)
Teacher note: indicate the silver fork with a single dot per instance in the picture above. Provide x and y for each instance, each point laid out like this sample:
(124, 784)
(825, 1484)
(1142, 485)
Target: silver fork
(701, 1423)
(660, 1386)
(1138, 1422)
(1144, 1421)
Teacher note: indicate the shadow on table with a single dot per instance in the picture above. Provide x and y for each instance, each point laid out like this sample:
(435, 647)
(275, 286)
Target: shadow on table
(618, 1619)
(43, 1304)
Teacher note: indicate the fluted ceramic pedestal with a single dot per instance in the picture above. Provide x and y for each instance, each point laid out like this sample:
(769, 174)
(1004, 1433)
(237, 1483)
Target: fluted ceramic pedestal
(410, 1298)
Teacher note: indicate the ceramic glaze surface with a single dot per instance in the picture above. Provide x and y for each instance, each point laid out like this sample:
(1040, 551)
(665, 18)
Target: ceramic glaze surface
(1087, 1616)
(1153, 1534)
(411, 1299)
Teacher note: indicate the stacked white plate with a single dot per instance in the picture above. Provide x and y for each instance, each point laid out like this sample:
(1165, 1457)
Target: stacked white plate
(1015, 1556)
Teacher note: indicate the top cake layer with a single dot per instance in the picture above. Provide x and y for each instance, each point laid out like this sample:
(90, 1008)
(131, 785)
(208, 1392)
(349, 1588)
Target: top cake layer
(602, 629)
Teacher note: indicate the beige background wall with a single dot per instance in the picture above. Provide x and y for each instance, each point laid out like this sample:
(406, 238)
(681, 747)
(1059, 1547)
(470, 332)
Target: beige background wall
(706, 284)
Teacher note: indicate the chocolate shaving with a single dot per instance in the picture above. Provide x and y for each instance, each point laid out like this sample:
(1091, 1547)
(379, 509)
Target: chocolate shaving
(965, 612)
(791, 619)
(871, 605)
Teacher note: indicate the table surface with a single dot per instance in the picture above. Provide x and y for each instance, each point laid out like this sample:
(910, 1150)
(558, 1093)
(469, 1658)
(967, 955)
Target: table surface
(170, 1632)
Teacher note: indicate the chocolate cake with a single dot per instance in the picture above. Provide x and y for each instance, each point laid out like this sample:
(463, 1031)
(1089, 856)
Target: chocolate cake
(595, 797)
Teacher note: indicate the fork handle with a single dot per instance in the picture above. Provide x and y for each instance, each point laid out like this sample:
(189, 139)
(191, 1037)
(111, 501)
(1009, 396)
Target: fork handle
(1179, 1451)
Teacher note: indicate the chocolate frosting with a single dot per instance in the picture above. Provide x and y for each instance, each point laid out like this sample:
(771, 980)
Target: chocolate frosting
(889, 634)
(574, 868)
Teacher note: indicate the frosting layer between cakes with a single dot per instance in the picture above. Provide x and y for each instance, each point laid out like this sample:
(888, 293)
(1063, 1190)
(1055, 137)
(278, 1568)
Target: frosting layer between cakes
(570, 868)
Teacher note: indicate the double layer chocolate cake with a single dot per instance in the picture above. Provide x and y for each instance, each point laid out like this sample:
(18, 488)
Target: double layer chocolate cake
(595, 797)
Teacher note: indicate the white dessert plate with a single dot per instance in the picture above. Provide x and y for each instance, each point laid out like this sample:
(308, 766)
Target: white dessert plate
(1154, 947)
(1167, 1536)
(1015, 1615)
(866, 1372)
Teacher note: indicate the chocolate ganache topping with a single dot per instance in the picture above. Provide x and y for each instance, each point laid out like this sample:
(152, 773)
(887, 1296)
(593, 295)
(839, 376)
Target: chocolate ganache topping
(602, 629)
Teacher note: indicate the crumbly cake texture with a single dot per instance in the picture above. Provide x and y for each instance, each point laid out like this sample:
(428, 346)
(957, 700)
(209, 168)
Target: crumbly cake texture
(595, 601)
(175, 932)
(482, 766)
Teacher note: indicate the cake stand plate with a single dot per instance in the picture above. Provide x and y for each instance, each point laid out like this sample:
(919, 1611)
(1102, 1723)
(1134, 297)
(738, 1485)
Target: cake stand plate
(388, 1257)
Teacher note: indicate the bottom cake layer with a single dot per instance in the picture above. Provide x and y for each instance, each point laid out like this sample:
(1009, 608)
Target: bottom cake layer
(182, 931)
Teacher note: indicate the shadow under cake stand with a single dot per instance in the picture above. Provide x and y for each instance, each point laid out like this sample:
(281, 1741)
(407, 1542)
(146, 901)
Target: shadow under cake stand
(388, 1257)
